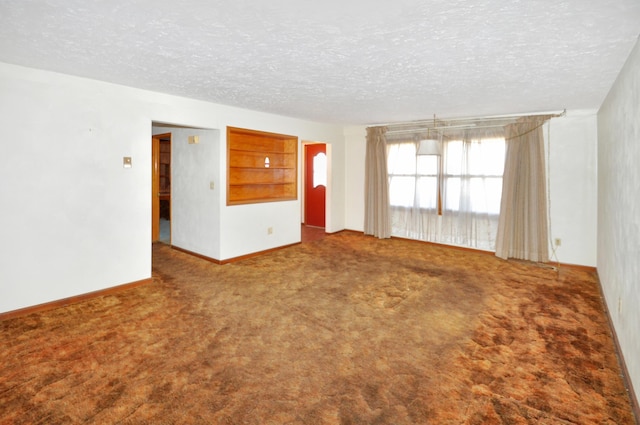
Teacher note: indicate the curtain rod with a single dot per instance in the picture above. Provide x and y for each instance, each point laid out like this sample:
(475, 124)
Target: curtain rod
(431, 123)
(444, 127)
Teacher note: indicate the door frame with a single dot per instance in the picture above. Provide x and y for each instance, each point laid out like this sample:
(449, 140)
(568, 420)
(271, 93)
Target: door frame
(155, 183)
(303, 168)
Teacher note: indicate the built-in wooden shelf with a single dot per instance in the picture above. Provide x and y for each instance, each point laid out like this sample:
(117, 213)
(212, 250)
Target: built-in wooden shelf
(164, 174)
(261, 167)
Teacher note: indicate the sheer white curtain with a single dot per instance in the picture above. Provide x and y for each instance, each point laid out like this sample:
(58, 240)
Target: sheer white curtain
(453, 198)
(413, 191)
(472, 187)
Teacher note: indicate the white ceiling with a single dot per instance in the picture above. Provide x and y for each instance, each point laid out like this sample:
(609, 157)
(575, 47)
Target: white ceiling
(340, 61)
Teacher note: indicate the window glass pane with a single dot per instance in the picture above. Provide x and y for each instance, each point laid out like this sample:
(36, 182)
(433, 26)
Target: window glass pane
(427, 165)
(452, 193)
(401, 191)
(320, 170)
(477, 195)
(401, 158)
(453, 157)
(487, 157)
(427, 193)
(485, 194)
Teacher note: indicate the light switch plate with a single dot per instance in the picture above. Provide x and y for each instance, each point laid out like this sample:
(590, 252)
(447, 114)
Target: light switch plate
(126, 162)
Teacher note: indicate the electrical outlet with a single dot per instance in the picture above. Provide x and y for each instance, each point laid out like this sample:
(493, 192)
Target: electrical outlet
(619, 305)
(557, 241)
(269, 230)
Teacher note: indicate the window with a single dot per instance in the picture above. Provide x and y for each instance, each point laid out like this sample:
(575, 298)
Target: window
(473, 175)
(320, 170)
(452, 198)
(413, 179)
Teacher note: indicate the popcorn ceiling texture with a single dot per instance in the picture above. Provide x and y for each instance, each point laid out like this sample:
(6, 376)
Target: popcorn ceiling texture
(352, 62)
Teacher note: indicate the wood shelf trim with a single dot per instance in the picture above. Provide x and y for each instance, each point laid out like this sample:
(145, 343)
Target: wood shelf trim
(258, 184)
(274, 152)
(264, 168)
(248, 180)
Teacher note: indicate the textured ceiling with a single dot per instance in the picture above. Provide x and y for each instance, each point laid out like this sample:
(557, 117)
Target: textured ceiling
(340, 61)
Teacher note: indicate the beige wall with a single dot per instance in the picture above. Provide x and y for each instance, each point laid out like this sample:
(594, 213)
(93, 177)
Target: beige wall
(619, 209)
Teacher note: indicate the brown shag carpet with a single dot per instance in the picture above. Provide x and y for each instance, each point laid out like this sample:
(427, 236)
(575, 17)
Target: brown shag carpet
(346, 330)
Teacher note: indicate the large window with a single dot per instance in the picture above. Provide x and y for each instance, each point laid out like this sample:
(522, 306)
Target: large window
(472, 175)
(413, 179)
(449, 198)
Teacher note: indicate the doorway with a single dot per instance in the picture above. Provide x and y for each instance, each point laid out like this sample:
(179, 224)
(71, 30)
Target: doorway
(161, 188)
(315, 184)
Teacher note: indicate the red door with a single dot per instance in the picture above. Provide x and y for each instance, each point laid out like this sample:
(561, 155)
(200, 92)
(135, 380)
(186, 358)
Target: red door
(315, 184)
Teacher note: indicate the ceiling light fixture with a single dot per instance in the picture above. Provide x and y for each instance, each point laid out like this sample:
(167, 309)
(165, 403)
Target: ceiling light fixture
(429, 146)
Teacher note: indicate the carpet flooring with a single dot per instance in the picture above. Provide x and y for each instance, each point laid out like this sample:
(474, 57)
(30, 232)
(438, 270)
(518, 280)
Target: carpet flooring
(344, 330)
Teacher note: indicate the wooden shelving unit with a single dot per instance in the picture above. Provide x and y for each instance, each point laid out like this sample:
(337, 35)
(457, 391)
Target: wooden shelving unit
(164, 185)
(262, 167)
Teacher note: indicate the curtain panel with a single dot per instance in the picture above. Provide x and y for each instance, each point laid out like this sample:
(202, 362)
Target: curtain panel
(523, 226)
(453, 197)
(377, 220)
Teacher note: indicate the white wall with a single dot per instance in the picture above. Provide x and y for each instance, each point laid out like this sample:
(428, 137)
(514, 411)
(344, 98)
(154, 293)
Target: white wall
(619, 209)
(356, 146)
(195, 207)
(76, 221)
(73, 217)
(336, 163)
(572, 173)
(571, 144)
